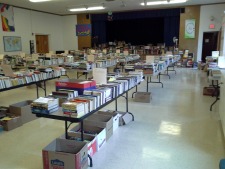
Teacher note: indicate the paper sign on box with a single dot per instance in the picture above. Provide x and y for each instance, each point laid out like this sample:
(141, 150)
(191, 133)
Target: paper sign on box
(100, 75)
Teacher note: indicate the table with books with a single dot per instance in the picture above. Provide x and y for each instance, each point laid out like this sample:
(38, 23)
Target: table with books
(24, 78)
(101, 97)
(82, 99)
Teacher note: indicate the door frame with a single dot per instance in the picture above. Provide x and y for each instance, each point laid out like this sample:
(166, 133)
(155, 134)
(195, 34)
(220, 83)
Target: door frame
(35, 46)
(217, 47)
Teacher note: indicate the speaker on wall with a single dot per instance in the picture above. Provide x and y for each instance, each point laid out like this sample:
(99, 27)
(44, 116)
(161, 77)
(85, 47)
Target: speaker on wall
(87, 16)
(182, 10)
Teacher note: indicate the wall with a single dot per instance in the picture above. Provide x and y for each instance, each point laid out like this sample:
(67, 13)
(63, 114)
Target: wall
(70, 39)
(222, 41)
(61, 30)
(191, 12)
(217, 11)
(83, 41)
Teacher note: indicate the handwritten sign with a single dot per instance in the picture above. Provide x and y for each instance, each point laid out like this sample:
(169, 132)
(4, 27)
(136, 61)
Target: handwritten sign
(83, 30)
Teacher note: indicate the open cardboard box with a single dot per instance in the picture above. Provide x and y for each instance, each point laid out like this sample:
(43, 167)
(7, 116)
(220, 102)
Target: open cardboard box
(99, 132)
(124, 118)
(11, 123)
(23, 109)
(91, 141)
(113, 114)
(66, 154)
(103, 121)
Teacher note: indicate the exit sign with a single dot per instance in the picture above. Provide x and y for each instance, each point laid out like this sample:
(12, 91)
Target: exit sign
(211, 26)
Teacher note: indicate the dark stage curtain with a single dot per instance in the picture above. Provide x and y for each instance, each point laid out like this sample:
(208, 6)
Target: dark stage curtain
(170, 27)
(136, 31)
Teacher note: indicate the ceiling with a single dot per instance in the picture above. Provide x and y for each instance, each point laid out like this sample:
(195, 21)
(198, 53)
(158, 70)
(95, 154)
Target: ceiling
(60, 7)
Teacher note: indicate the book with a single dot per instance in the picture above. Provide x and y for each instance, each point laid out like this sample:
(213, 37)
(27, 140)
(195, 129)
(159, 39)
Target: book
(46, 102)
(44, 111)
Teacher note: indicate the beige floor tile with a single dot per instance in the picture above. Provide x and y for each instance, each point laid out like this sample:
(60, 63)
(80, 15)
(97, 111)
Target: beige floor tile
(175, 131)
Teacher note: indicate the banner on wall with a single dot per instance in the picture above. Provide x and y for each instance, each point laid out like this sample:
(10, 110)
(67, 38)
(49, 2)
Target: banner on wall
(83, 30)
(7, 17)
(189, 28)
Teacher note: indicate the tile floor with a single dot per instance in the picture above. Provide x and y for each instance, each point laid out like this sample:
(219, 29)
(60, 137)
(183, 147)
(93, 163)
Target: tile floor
(175, 131)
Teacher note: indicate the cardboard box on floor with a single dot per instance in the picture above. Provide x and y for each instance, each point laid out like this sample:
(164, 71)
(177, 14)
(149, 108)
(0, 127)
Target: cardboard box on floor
(66, 154)
(143, 97)
(102, 121)
(92, 141)
(90, 129)
(3, 111)
(23, 109)
(113, 114)
(124, 118)
(11, 122)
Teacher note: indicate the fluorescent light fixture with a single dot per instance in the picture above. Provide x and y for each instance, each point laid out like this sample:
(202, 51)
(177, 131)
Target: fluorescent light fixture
(164, 2)
(39, 0)
(177, 1)
(95, 8)
(87, 9)
(153, 3)
(77, 9)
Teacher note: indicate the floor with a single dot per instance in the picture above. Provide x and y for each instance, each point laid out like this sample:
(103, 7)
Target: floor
(175, 131)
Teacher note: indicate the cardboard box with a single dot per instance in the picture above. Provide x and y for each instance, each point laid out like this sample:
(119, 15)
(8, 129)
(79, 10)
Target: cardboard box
(92, 130)
(103, 121)
(113, 114)
(3, 111)
(92, 141)
(23, 109)
(65, 154)
(15, 122)
(143, 97)
(209, 91)
(75, 84)
(124, 118)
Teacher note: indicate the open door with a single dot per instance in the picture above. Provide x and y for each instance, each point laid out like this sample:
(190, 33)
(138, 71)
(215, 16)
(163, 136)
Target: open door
(42, 45)
(210, 40)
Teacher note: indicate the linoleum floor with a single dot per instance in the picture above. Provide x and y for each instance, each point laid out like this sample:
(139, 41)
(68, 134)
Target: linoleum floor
(176, 130)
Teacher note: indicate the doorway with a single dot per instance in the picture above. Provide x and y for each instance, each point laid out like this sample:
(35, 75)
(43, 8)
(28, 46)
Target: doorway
(42, 45)
(209, 44)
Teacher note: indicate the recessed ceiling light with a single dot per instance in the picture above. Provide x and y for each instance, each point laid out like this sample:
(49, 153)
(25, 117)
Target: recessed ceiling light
(39, 0)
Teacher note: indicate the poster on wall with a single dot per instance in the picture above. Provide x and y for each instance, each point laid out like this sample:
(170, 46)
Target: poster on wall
(7, 17)
(12, 43)
(83, 30)
(189, 28)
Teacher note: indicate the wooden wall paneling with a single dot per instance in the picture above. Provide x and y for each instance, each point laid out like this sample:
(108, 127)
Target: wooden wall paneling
(191, 12)
(84, 41)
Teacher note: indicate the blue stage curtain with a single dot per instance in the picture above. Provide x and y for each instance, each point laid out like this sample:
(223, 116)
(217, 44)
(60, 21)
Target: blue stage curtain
(171, 26)
(171, 29)
(99, 30)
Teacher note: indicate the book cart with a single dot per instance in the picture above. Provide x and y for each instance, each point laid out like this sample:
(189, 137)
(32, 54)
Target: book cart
(58, 115)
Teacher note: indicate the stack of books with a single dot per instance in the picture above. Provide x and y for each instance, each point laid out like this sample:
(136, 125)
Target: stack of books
(73, 109)
(44, 105)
